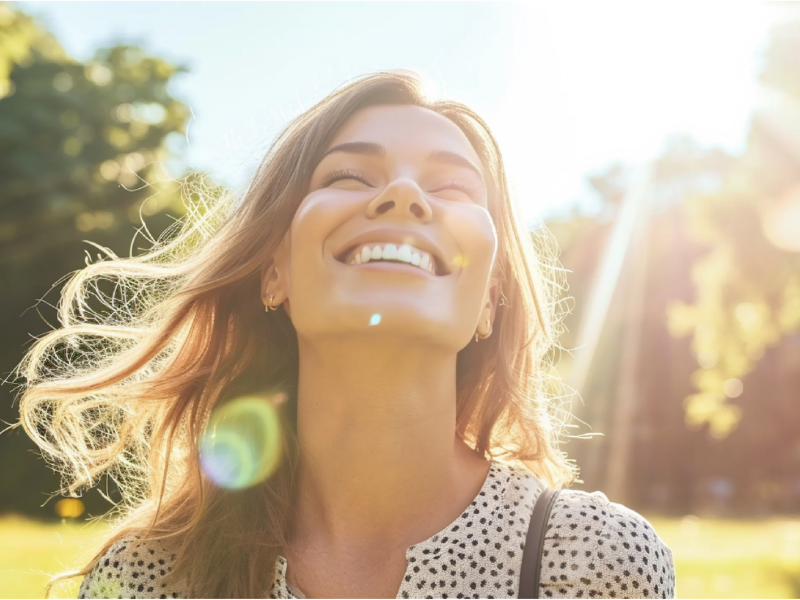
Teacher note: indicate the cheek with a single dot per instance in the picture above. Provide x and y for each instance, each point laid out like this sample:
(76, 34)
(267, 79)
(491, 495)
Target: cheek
(320, 213)
(476, 237)
(317, 217)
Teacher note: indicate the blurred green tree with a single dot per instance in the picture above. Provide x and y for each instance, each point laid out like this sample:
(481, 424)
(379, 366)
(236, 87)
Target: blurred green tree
(82, 147)
(22, 36)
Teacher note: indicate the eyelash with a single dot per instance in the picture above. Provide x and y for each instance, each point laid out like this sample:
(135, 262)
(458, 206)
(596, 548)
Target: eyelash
(343, 174)
(350, 174)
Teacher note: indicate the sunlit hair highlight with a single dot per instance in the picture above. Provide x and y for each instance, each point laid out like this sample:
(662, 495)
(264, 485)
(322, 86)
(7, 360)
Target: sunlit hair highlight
(150, 345)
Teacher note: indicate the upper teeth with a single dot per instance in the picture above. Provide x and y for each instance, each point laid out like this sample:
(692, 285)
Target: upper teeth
(405, 253)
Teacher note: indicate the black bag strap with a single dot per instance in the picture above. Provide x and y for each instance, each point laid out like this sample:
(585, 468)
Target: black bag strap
(534, 543)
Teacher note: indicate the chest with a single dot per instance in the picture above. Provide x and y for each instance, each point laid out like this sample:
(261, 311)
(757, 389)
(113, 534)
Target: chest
(347, 577)
(453, 567)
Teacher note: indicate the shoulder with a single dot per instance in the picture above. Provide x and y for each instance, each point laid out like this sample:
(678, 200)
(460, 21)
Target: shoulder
(132, 568)
(604, 549)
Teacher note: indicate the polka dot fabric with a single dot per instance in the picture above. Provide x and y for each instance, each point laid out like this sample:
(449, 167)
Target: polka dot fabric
(593, 548)
(131, 568)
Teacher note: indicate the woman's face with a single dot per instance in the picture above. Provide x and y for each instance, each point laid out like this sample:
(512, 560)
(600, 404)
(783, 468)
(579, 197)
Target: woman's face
(406, 181)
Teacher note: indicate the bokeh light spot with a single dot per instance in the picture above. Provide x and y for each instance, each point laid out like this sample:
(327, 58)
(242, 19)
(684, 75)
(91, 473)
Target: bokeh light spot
(280, 398)
(241, 444)
(109, 170)
(72, 146)
(62, 82)
(152, 113)
(781, 220)
(732, 388)
(724, 420)
(98, 74)
(134, 161)
(139, 129)
(748, 315)
(707, 359)
(375, 319)
(69, 508)
(123, 113)
(117, 137)
(459, 262)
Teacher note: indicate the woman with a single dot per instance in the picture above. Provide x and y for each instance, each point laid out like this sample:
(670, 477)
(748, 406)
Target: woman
(377, 287)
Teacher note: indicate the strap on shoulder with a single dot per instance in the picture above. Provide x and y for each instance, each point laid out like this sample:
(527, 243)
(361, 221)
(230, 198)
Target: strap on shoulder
(534, 543)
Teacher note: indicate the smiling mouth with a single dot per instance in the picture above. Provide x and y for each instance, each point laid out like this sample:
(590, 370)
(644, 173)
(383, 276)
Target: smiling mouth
(392, 266)
(406, 255)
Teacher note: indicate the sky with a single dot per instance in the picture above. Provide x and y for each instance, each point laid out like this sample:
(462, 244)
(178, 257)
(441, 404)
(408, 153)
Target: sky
(567, 88)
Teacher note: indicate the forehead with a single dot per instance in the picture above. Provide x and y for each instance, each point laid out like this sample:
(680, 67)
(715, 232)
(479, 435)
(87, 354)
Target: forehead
(406, 130)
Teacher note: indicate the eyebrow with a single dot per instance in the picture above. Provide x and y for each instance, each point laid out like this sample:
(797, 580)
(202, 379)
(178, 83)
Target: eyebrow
(372, 149)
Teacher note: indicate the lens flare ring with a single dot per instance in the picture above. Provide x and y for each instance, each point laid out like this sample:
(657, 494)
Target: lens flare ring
(241, 444)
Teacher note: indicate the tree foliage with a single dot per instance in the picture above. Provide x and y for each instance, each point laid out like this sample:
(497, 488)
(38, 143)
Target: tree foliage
(748, 284)
(82, 146)
(20, 38)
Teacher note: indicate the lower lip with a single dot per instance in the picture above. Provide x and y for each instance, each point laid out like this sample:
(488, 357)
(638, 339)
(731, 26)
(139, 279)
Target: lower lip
(392, 267)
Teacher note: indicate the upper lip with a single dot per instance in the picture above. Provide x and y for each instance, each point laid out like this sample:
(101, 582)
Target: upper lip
(394, 236)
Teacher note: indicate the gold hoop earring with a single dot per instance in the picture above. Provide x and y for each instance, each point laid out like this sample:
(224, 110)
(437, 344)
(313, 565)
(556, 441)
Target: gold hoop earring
(478, 336)
(268, 306)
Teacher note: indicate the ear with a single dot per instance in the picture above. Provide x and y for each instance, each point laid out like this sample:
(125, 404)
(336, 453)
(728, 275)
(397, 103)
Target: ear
(274, 278)
(492, 298)
(490, 304)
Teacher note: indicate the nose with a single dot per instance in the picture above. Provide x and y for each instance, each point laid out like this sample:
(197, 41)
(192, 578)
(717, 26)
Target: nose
(401, 197)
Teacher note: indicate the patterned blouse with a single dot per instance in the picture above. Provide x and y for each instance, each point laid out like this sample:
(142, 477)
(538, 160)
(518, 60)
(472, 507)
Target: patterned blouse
(593, 548)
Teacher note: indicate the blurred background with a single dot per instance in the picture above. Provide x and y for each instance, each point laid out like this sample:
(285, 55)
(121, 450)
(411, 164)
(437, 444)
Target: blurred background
(659, 143)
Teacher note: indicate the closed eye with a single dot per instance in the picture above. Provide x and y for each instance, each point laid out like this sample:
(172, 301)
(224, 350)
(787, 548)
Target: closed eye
(339, 174)
(458, 185)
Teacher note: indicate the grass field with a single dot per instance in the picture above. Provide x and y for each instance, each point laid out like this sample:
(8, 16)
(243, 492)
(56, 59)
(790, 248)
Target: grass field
(30, 551)
(713, 558)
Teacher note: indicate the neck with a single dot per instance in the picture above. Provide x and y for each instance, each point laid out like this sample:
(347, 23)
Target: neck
(380, 459)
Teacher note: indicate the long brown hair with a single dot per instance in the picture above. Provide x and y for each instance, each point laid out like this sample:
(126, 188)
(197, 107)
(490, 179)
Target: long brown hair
(128, 390)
